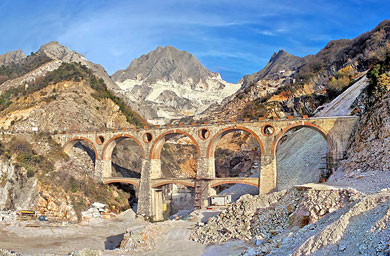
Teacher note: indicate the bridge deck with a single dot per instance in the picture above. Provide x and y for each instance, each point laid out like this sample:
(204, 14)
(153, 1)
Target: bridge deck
(190, 182)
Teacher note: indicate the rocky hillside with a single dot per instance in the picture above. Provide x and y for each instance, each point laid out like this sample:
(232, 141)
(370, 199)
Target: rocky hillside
(170, 84)
(35, 173)
(277, 71)
(68, 98)
(305, 221)
(290, 85)
(369, 151)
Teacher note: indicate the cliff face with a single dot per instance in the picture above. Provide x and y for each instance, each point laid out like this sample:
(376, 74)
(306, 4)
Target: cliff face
(16, 190)
(371, 142)
(170, 84)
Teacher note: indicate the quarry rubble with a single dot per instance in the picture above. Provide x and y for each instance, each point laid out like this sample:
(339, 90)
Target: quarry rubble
(305, 220)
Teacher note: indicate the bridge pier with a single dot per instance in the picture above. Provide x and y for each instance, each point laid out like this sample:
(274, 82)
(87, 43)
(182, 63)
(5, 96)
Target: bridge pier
(205, 168)
(145, 189)
(267, 182)
(103, 168)
(204, 174)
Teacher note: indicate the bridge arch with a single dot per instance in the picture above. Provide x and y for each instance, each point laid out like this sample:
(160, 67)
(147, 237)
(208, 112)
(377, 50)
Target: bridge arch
(217, 183)
(301, 124)
(70, 143)
(155, 152)
(217, 137)
(132, 146)
(309, 161)
(179, 182)
(111, 143)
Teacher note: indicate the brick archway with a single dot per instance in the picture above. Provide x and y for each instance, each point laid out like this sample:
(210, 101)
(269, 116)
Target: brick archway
(301, 124)
(70, 143)
(217, 137)
(109, 146)
(159, 143)
(233, 182)
(188, 184)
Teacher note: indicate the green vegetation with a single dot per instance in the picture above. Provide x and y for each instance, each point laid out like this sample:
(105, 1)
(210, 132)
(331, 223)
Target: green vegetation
(320, 62)
(84, 190)
(15, 70)
(342, 79)
(71, 72)
(27, 158)
(379, 76)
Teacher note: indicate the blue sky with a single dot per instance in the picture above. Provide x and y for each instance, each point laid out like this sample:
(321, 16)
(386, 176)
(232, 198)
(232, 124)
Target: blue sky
(233, 38)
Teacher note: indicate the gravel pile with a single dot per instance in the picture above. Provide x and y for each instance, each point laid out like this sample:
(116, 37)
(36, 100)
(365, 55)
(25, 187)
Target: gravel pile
(361, 228)
(4, 252)
(143, 239)
(260, 218)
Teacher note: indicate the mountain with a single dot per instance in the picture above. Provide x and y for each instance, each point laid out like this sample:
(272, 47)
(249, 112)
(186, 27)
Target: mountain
(278, 73)
(169, 84)
(12, 57)
(289, 85)
(56, 51)
(281, 64)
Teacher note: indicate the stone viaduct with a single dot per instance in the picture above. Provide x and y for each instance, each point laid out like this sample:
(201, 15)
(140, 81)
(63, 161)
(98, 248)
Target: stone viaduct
(267, 132)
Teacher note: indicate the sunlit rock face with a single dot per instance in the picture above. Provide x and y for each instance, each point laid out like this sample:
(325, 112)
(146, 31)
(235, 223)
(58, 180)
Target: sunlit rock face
(169, 84)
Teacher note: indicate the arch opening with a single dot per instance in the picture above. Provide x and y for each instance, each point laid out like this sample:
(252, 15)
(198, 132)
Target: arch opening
(177, 153)
(126, 155)
(82, 152)
(237, 154)
(204, 133)
(302, 156)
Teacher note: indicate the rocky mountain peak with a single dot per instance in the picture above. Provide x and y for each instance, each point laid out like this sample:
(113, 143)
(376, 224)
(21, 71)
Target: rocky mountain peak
(279, 63)
(166, 64)
(12, 57)
(280, 56)
(168, 84)
(54, 50)
(57, 51)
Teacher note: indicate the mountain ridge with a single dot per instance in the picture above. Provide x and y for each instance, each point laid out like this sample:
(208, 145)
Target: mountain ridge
(309, 82)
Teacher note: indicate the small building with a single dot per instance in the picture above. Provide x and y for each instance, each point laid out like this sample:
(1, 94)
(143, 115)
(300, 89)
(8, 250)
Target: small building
(221, 200)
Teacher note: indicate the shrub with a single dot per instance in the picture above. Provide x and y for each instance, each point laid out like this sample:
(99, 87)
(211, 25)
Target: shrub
(30, 173)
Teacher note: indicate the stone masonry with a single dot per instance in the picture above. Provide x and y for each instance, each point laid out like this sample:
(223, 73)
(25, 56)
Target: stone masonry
(205, 137)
